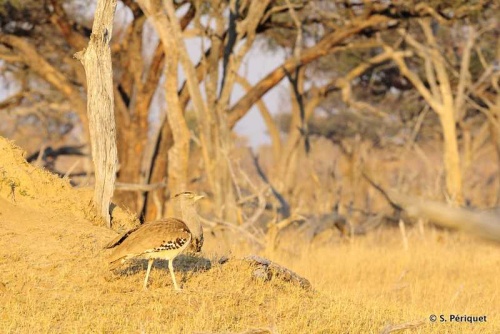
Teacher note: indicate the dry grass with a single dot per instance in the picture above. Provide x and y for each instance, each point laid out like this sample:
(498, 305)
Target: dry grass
(360, 287)
(54, 279)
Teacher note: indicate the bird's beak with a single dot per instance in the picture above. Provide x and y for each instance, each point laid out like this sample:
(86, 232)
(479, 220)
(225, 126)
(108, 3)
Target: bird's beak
(299, 218)
(198, 197)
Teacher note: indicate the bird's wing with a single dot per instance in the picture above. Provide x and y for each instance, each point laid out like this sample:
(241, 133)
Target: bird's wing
(151, 236)
(119, 239)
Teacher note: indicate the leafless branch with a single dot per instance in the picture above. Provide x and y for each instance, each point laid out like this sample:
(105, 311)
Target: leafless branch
(120, 186)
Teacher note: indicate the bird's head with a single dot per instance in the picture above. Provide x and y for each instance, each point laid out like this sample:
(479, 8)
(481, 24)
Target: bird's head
(189, 196)
(297, 218)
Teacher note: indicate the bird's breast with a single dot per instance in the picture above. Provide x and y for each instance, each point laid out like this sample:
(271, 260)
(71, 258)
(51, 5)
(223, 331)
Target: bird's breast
(172, 244)
(167, 250)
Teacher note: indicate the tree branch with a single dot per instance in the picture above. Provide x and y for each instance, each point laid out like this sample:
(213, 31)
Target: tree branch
(39, 65)
(322, 48)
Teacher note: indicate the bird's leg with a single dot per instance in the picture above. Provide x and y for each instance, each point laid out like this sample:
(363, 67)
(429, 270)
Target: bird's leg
(150, 263)
(171, 268)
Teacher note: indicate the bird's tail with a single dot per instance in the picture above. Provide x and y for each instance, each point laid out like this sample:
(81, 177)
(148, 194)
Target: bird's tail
(115, 263)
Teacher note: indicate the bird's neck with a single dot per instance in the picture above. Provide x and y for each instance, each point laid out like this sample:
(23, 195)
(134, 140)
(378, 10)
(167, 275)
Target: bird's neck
(186, 211)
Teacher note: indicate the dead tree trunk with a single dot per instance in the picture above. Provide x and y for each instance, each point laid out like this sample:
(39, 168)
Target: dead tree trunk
(96, 60)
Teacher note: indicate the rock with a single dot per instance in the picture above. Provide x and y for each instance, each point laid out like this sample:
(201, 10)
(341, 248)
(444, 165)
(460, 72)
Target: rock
(266, 270)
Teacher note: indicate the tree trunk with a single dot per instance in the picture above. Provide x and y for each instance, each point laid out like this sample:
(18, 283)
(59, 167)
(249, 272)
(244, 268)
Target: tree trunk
(440, 99)
(178, 155)
(138, 90)
(96, 60)
(156, 199)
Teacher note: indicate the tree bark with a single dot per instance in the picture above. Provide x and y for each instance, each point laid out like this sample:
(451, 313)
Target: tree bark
(178, 154)
(157, 198)
(96, 60)
(139, 145)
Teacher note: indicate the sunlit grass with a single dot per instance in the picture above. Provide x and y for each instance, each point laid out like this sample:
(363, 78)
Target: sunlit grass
(360, 286)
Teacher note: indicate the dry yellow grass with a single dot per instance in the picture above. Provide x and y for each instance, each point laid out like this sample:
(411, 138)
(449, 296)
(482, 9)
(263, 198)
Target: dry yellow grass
(54, 279)
(52, 285)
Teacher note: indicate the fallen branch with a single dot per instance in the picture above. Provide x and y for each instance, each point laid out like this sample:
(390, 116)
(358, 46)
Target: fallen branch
(484, 224)
(139, 187)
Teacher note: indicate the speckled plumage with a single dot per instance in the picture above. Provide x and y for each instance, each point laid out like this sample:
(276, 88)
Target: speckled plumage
(163, 239)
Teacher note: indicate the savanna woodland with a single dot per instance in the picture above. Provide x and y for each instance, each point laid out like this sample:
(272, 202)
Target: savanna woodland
(348, 152)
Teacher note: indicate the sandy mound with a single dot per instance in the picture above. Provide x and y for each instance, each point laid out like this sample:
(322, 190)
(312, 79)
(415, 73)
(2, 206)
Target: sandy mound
(27, 186)
(44, 222)
(46, 226)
